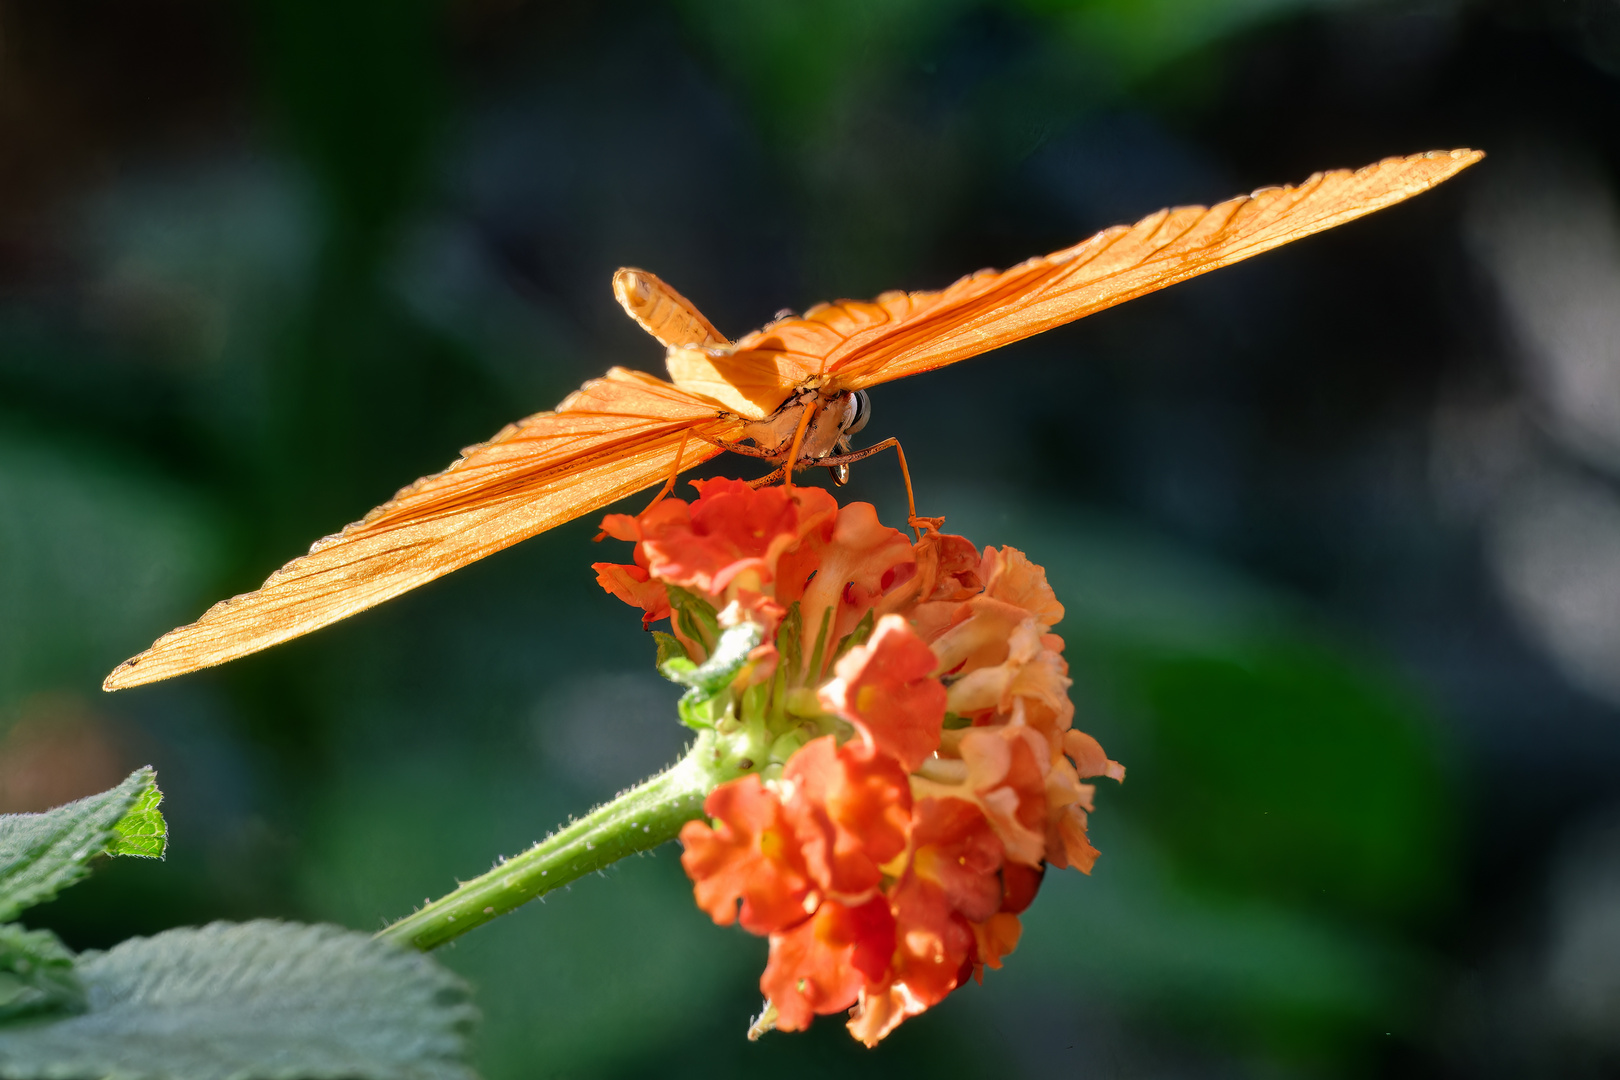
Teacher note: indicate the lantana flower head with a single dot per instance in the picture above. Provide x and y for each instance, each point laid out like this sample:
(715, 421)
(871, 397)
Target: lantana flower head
(901, 709)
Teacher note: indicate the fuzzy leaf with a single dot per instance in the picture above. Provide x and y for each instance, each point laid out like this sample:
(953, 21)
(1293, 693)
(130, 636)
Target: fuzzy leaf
(711, 680)
(253, 1001)
(42, 854)
(142, 832)
(715, 674)
(36, 973)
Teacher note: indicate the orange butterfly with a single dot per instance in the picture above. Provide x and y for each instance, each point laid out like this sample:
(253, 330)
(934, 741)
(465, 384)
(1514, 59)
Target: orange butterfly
(792, 393)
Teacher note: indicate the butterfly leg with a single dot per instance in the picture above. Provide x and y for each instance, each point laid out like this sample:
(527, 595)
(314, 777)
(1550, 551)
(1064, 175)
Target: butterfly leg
(674, 471)
(736, 447)
(669, 485)
(769, 478)
(747, 451)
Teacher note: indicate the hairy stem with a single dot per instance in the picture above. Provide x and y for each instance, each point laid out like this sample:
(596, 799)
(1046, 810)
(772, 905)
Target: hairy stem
(637, 820)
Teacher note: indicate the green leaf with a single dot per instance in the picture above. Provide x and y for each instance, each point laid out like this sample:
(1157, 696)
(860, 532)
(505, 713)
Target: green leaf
(94, 553)
(710, 680)
(253, 1001)
(1143, 36)
(36, 973)
(955, 722)
(1257, 753)
(698, 712)
(42, 854)
(712, 676)
(142, 832)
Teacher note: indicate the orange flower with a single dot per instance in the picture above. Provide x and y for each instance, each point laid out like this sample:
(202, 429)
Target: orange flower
(851, 812)
(725, 547)
(952, 883)
(1007, 766)
(636, 587)
(887, 690)
(823, 964)
(903, 708)
(750, 854)
(863, 560)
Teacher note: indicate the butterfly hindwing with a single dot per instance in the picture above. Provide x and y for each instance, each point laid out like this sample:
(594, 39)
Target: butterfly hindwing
(617, 435)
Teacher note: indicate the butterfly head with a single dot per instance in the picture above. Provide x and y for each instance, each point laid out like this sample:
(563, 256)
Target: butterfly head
(857, 413)
(853, 409)
(848, 411)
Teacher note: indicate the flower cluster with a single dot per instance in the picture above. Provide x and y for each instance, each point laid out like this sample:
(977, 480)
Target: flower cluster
(902, 715)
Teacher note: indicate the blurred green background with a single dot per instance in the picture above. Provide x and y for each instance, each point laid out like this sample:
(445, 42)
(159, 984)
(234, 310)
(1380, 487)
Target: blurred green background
(1338, 530)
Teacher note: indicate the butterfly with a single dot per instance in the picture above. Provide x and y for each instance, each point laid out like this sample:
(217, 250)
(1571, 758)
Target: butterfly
(792, 393)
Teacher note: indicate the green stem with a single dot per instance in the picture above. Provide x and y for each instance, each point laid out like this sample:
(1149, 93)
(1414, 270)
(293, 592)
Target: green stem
(641, 818)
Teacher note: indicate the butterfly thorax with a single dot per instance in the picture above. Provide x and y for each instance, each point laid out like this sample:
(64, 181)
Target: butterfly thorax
(836, 416)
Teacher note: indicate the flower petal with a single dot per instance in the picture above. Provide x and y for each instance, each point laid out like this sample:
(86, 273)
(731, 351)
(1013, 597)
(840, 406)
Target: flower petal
(851, 812)
(955, 851)
(860, 555)
(1089, 759)
(1075, 847)
(887, 690)
(1007, 768)
(880, 1010)
(1009, 575)
(749, 854)
(635, 587)
(822, 964)
(1019, 884)
(996, 937)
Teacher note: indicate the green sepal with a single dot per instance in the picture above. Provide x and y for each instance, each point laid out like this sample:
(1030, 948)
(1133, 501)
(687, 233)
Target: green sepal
(694, 615)
(698, 712)
(788, 744)
(813, 672)
(857, 636)
(716, 673)
(954, 721)
(790, 639)
(669, 648)
(36, 974)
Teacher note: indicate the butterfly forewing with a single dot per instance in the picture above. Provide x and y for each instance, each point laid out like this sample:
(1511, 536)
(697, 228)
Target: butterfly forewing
(863, 344)
(616, 436)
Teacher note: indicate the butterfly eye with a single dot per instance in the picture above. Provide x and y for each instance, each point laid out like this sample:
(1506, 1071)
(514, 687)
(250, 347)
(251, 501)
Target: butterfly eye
(860, 411)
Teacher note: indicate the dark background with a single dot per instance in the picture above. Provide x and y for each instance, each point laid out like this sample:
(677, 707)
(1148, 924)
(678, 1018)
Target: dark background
(1338, 529)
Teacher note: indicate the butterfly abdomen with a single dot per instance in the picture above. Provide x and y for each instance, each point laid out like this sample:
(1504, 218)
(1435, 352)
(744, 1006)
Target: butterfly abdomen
(663, 312)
